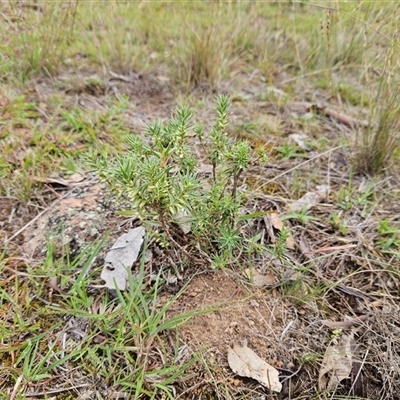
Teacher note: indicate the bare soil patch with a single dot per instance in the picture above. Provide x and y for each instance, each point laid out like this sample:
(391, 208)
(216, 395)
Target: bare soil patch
(241, 314)
(289, 336)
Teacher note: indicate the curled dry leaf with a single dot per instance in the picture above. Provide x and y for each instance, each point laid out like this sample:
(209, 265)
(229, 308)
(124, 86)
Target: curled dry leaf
(300, 140)
(183, 219)
(273, 220)
(347, 323)
(244, 362)
(260, 280)
(120, 258)
(337, 363)
(310, 199)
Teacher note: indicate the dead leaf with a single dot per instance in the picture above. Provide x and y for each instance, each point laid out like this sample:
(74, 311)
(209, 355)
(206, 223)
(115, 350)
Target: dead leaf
(276, 221)
(337, 363)
(120, 258)
(347, 323)
(244, 362)
(300, 140)
(273, 219)
(260, 280)
(310, 199)
(183, 219)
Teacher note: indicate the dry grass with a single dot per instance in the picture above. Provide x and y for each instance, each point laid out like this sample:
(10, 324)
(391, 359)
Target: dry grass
(379, 141)
(33, 42)
(207, 51)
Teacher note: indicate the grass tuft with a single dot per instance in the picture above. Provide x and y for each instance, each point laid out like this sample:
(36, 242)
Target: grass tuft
(379, 141)
(36, 44)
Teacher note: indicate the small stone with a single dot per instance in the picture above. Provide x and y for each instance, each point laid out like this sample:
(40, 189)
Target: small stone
(254, 304)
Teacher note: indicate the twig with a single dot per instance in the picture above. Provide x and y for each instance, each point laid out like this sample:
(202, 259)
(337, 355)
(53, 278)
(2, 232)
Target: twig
(35, 218)
(61, 390)
(16, 386)
(301, 164)
(270, 387)
(357, 385)
(291, 376)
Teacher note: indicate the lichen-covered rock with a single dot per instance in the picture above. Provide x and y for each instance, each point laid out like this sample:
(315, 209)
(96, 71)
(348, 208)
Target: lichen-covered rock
(71, 223)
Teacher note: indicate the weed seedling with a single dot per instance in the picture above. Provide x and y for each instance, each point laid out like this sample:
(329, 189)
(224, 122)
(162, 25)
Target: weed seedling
(300, 216)
(337, 223)
(288, 151)
(389, 235)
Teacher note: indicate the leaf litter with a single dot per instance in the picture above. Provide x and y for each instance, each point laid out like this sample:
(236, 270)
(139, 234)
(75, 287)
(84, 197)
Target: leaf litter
(120, 258)
(245, 362)
(337, 363)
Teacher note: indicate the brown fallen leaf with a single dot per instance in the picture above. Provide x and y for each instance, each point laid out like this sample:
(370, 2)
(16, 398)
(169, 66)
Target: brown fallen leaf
(310, 199)
(260, 280)
(337, 363)
(347, 323)
(244, 362)
(273, 220)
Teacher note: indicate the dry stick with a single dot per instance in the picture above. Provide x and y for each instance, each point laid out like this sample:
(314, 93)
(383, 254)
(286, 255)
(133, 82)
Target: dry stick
(16, 386)
(357, 377)
(301, 164)
(321, 71)
(61, 390)
(270, 387)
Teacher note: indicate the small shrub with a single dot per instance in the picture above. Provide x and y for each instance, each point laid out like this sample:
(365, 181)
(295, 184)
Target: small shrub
(160, 176)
